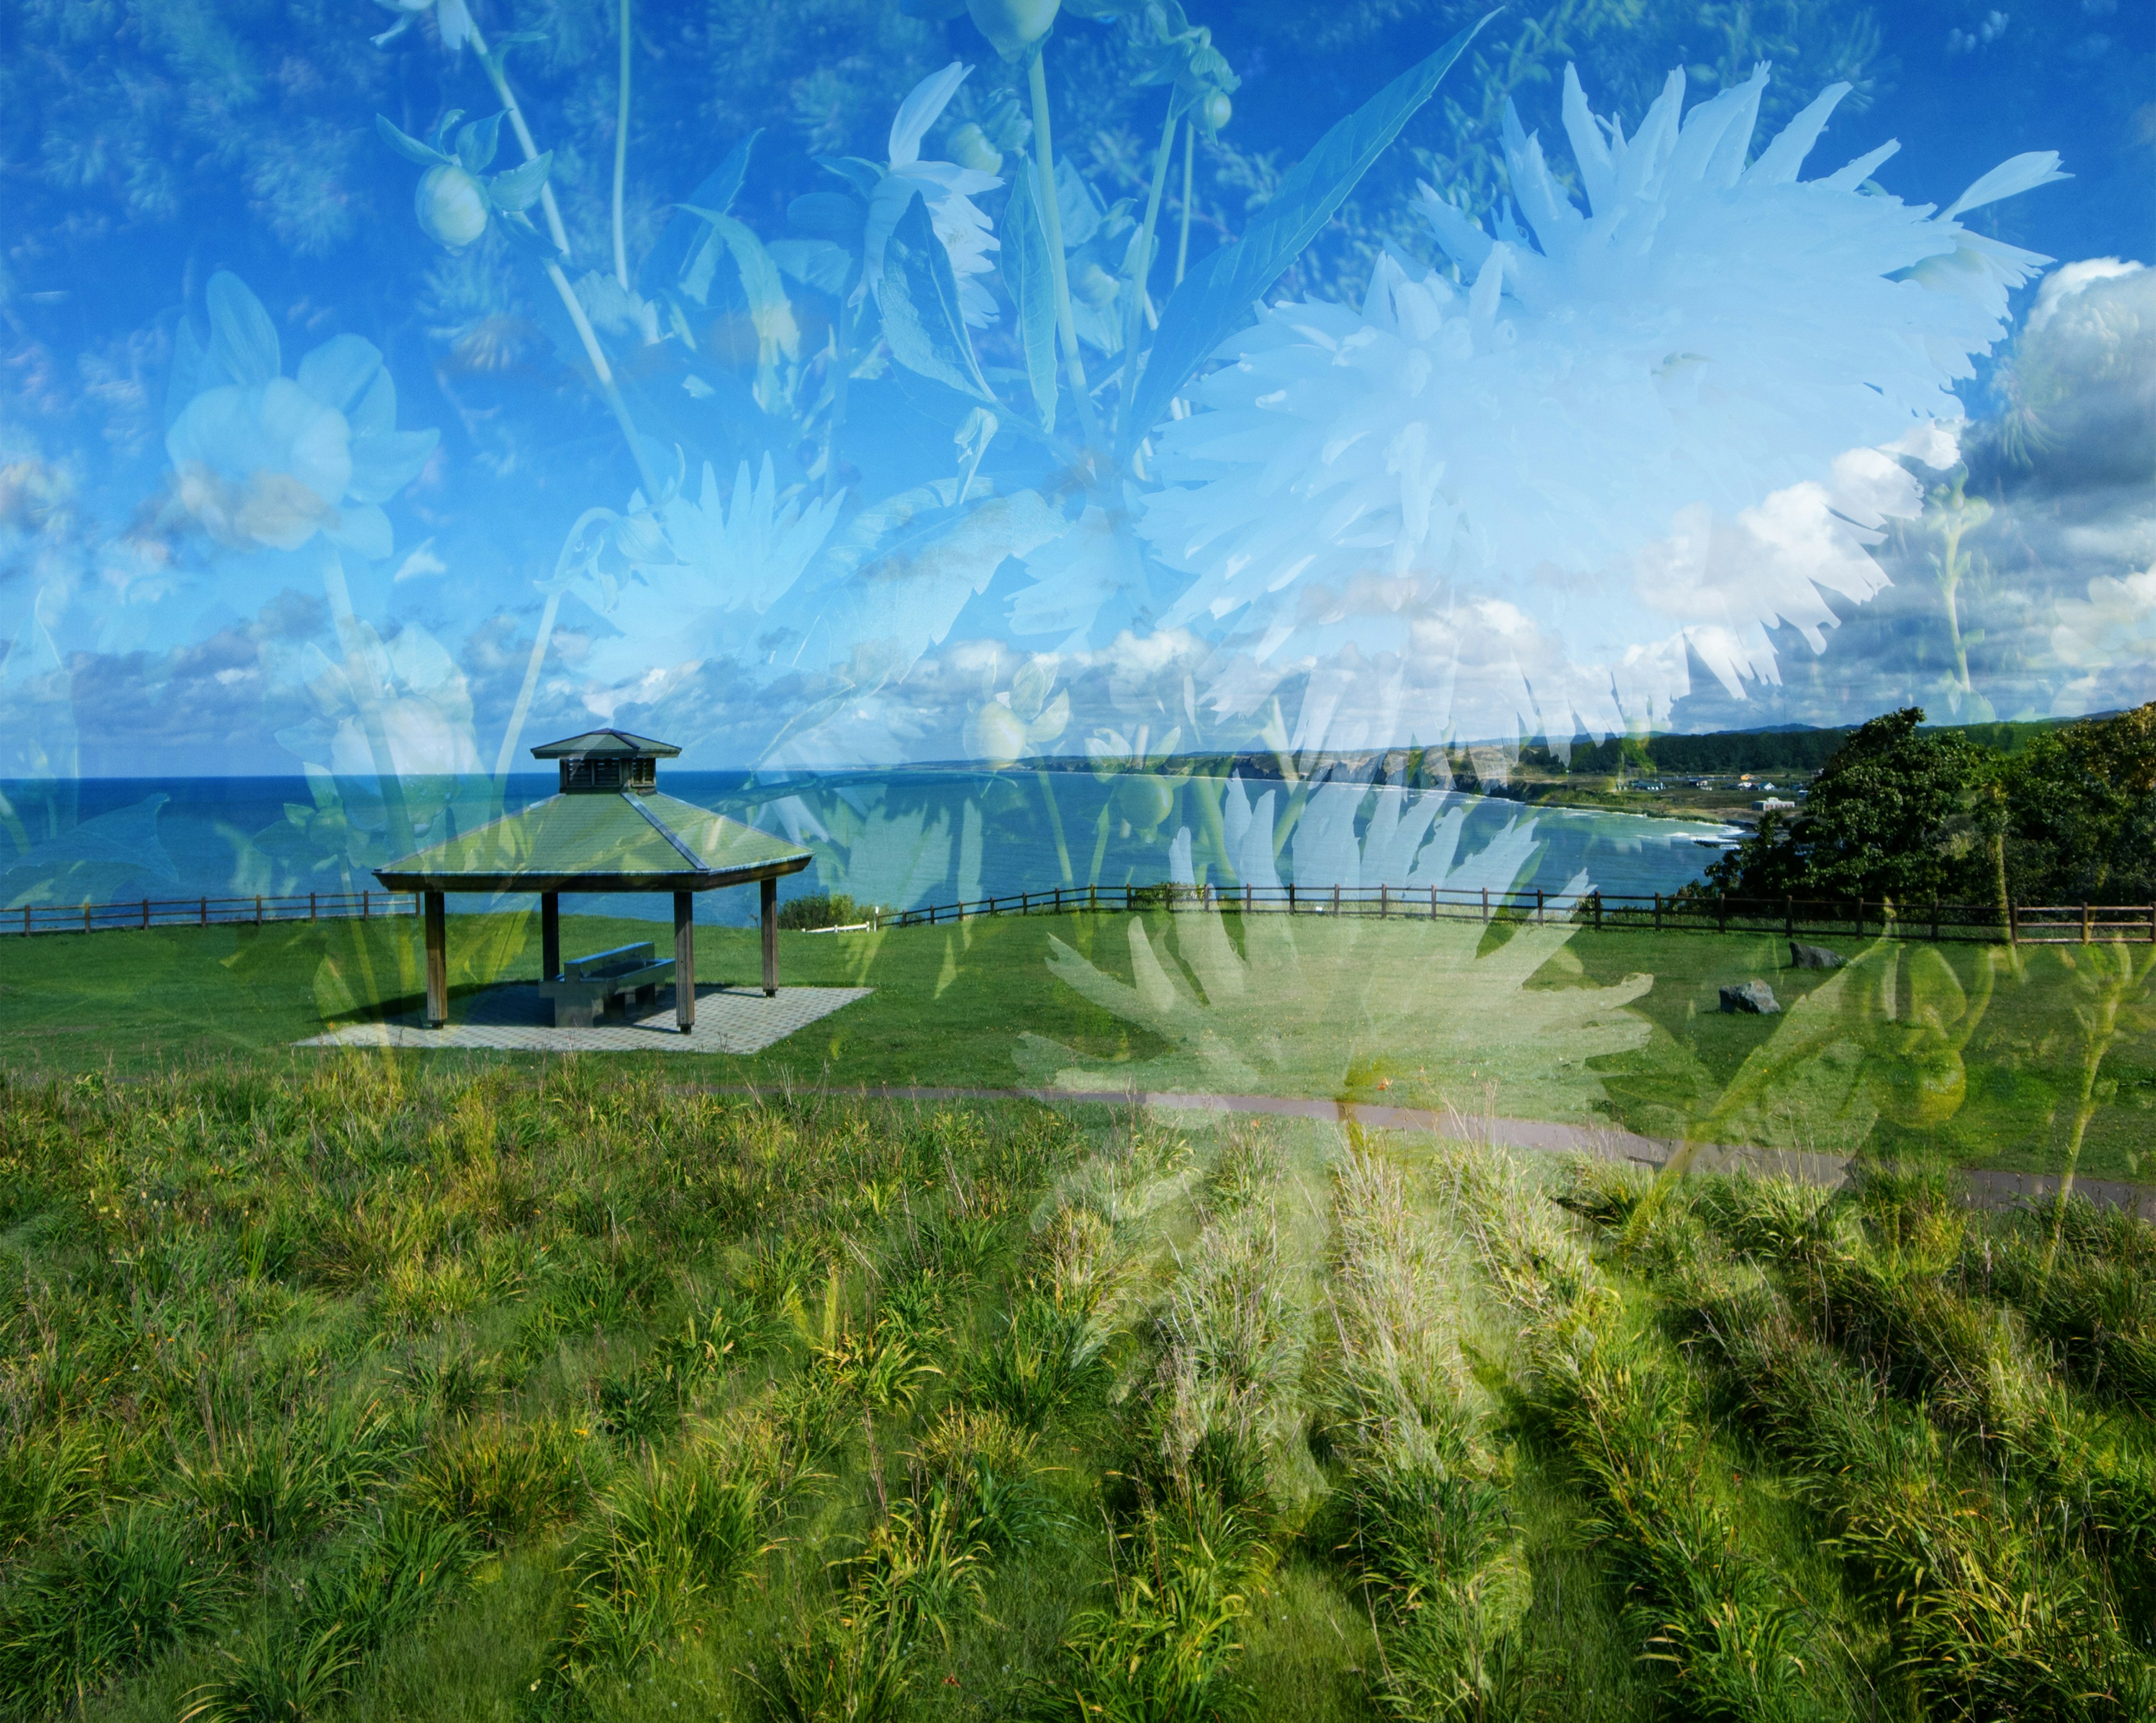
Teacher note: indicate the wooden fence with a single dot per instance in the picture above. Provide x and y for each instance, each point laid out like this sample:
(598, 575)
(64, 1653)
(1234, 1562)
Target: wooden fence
(207, 911)
(2026, 923)
(1660, 911)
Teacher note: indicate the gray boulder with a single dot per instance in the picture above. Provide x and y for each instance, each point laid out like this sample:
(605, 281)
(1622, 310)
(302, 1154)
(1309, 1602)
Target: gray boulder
(1804, 957)
(1755, 997)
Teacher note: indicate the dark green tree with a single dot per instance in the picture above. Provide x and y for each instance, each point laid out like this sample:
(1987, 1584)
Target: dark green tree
(2081, 812)
(1892, 815)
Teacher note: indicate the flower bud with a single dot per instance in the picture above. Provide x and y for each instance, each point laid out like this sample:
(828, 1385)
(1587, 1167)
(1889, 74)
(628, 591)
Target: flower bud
(1093, 284)
(996, 733)
(451, 206)
(1215, 111)
(1146, 800)
(969, 147)
(1013, 26)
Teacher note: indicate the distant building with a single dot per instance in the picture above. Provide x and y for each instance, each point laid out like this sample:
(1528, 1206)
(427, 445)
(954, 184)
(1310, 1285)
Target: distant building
(1773, 804)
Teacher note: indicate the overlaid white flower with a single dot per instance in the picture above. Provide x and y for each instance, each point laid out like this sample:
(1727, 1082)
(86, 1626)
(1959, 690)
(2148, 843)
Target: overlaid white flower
(416, 693)
(945, 187)
(451, 18)
(1692, 359)
(265, 461)
(745, 553)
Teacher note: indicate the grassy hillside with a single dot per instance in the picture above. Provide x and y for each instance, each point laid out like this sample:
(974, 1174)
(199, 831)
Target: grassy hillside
(375, 1392)
(1954, 1053)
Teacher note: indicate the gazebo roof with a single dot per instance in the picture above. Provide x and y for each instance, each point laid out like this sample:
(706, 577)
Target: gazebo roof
(594, 744)
(623, 842)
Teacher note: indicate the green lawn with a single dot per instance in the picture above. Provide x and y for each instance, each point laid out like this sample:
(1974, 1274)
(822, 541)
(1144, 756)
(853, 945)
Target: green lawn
(1553, 1023)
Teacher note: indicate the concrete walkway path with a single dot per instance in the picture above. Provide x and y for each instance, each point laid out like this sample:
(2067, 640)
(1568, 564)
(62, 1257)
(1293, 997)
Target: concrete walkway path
(516, 1019)
(1987, 1189)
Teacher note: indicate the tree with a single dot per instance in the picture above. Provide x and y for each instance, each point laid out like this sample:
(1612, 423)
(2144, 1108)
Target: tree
(2081, 812)
(1891, 815)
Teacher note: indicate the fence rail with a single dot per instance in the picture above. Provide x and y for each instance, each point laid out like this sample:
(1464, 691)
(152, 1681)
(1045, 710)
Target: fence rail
(207, 911)
(2025, 924)
(1696, 911)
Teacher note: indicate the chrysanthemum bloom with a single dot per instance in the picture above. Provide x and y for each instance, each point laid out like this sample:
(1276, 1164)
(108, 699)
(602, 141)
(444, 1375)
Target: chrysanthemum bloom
(944, 187)
(1643, 432)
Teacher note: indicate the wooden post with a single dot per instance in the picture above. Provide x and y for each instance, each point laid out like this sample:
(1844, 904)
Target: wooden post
(1433, 902)
(203, 909)
(1485, 906)
(1935, 920)
(1384, 902)
(2013, 922)
(684, 953)
(1598, 910)
(145, 912)
(550, 935)
(1290, 897)
(1790, 915)
(1539, 898)
(86, 916)
(314, 909)
(770, 938)
(367, 906)
(1249, 897)
(2085, 921)
(437, 962)
(1336, 897)
(1722, 912)
(1658, 912)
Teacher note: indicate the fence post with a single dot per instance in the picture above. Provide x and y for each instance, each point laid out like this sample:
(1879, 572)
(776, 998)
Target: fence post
(1336, 897)
(1722, 912)
(1790, 915)
(1384, 901)
(2084, 920)
(145, 912)
(1860, 917)
(1485, 906)
(1935, 920)
(1433, 902)
(1658, 912)
(311, 915)
(85, 918)
(366, 904)
(204, 911)
(1249, 898)
(1539, 899)
(2013, 922)
(1093, 895)
(26, 920)
(1598, 908)
(257, 909)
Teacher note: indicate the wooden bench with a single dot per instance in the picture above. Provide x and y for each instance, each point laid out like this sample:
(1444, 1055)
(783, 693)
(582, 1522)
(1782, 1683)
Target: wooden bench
(586, 985)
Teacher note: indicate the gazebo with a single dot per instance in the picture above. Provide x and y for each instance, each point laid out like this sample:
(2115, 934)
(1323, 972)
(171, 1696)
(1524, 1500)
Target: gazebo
(608, 829)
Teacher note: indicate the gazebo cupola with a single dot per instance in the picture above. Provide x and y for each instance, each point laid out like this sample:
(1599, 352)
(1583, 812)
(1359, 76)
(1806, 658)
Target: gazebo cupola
(603, 762)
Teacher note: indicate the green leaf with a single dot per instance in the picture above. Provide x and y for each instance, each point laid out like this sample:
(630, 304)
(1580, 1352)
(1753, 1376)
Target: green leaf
(1032, 286)
(518, 189)
(518, 226)
(683, 237)
(863, 176)
(243, 340)
(1216, 298)
(477, 143)
(410, 148)
(816, 263)
(919, 298)
(762, 296)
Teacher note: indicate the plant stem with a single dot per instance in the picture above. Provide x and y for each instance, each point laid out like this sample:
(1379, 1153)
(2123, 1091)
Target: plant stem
(1183, 245)
(604, 373)
(494, 75)
(1141, 265)
(359, 677)
(1056, 825)
(621, 157)
(523, 706)
(1051, 221)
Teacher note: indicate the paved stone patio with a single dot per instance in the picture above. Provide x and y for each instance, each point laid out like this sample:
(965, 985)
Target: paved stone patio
(516, 1019)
